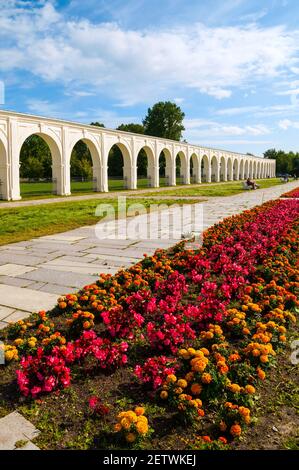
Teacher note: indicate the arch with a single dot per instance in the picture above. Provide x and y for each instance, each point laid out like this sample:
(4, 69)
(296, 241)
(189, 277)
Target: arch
(214, 169)
(250, 170)
(236, 169)
(205, 169)
(145, 162)
(230, 176)
(4, 176)
(93, 154)
(195, 173)
(222, 169)
(181, 168)
(121, 174)
(246, 169)
(167, 175)
(254, 169)
(55, 171)
(258, 171)
(241, 169)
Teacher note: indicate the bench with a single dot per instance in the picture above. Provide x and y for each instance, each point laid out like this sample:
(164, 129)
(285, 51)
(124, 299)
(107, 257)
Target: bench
(246, 186)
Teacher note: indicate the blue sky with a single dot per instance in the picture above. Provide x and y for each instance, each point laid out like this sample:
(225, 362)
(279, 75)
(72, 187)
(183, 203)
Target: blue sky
(232, 66)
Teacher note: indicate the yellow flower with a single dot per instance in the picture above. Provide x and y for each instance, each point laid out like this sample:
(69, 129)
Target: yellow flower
(117, 427)
(191, 351)
(189, 376)
(182, 383)
(164, 395)
(142, 419)
(131, 437)
(9, 355)
(18, 341)
(206, 378)
(171, 378)
(141, 427)
(131, 416)
(125, 423)
(250, 389)
(178, 390)
(234, 388)
(32, 344)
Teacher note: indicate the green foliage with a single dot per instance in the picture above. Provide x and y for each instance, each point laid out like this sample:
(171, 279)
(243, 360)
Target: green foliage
(135, 128)
(286, 162)
(98, 124)
(164, 119)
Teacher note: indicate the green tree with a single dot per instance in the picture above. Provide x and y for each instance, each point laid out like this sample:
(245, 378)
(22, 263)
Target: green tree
(33, 169)
(97, 124)
(164, 119)
(132, 127)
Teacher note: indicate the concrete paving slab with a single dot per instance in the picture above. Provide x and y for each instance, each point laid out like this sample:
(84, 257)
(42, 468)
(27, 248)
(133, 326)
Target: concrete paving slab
(13, 428)
(14, 270)
(70, 279)
(14, 281)
(5, 311)
(16, 316)
(26, 299)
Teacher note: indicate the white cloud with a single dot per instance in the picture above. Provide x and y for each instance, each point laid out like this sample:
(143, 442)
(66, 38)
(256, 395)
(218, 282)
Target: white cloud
(294, 91)
(140, 66)
(285, 124)
(199, 128)
(236, 110)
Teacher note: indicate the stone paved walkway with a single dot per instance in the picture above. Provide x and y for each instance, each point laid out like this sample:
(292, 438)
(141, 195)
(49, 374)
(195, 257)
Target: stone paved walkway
(34, 273)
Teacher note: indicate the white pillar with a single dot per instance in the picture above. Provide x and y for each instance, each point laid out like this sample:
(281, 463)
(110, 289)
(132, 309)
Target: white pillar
(14, 161)
(4, 181)
(154, 174)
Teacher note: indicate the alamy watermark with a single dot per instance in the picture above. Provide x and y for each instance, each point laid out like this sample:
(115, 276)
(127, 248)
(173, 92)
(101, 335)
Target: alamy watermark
(157, 222)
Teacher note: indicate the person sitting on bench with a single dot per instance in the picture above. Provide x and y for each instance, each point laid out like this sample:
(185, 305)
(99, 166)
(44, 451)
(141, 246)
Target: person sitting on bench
(251, 183)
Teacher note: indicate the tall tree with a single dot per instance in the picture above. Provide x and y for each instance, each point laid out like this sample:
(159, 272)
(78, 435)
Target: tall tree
(164, 119)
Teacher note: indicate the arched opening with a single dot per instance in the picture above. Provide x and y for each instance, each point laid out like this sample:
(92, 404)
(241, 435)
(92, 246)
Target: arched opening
(85, 166)
(236, 169)
(195, 176)
(165, 168)
(40, 166)
(214, 169)
(229, 169)
(181, 168)
(145, 168)
(222, 169)
(246, 172)
(205, 173)
(3, 173)
(250, 169)
(258, 170)
(254, 170)
(241, 170)
(119, 168)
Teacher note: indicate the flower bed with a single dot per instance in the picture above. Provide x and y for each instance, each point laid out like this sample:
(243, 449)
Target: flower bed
(199, 329)
(294, 193)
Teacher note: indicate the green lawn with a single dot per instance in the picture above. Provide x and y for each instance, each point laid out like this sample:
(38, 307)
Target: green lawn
(23, 223)
(214, 189)
(42, 190)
